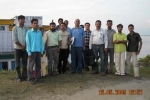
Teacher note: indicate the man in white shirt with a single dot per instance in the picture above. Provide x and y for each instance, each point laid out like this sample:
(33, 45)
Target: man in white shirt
(98, 43)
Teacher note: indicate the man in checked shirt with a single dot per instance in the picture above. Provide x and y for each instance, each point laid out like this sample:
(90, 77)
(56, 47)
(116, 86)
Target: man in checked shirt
(87, 39)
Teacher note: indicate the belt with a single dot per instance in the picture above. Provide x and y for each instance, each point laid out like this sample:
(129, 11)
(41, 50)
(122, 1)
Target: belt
(98, 44)
(52, 47)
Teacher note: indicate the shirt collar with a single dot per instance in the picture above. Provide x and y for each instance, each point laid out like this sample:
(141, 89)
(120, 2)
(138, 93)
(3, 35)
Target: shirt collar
(89, 31)
(19, 25)
(109, 30)
(120, 34)
(34, 31)
(133, 33)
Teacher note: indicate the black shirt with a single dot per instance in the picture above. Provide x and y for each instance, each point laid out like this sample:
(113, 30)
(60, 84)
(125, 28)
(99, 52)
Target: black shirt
(133, 42)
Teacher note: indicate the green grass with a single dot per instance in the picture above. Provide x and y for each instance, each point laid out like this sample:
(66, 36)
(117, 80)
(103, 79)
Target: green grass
(62, 84)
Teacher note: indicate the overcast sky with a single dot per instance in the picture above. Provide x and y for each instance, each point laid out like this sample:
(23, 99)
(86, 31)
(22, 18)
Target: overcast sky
(126, 12)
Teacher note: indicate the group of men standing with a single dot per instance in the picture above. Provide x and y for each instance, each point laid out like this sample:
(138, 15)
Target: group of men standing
(31, 45)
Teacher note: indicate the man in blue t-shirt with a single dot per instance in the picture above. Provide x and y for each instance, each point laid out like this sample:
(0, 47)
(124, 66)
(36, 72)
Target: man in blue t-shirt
(77, 46)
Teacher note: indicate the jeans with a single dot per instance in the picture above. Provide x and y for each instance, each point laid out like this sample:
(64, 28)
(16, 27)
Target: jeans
(36, 59)
(53, 57)
(20, 54)
(120, 63)
(63, 56)
(76, 53)
(135, 63)
(98, 51)
(110, 51)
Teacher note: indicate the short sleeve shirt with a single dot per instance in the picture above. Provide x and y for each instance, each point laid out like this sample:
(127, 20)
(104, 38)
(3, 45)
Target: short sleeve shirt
(64, 42)
(78, 34)
(52, 38)
(119, 47)
(133, 42)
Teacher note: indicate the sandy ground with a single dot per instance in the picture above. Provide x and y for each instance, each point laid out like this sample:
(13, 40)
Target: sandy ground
(92, 93)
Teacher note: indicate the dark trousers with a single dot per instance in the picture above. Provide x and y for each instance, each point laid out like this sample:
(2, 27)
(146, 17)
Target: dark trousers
(20, 54)
(86, 51)
(36, 59)
(110, 51)
(98, 51)
(76, 53)
(63, 56)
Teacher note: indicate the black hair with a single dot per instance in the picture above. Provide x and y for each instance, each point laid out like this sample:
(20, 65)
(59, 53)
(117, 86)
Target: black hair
(87, 23)
(34, 20)
(60, 19)
(82, 26)
(119, 25)
(109, 21)
(131, 25)
(98, 21)
(21, 17)
(63, 24)
(41, 28)
(66, 20)
(52, 23)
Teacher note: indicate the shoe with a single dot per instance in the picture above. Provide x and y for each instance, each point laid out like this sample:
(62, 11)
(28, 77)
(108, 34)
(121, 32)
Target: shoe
(110, 72)
(87, 69)
(106, 71)
(32, 82)
(123, 75)
(94, 73)
(24, 79)
(72, 73)
(39, 81)
(103, 74)
(126, 73)
(18, 80)
(118, 74)
(138, 77)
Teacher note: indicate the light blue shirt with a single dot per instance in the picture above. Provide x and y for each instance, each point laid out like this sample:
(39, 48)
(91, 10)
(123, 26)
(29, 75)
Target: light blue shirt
(34, 41)
(78, 34)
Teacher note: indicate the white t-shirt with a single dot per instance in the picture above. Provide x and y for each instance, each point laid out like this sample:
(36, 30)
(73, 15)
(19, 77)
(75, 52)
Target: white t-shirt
(64, 42)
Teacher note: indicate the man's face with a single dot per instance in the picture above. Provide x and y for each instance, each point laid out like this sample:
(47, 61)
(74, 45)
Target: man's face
(21, 21)
(60, 21)
(77, 22)
(62, 26)
(42, 31)
(35, 24)
(109, 24)
(98, 25)
(66, 22)
(119, 28)
(53, 27)
(87, 27)
(130, 28)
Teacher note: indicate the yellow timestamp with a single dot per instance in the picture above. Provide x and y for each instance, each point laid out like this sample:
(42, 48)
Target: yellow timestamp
(121, 92)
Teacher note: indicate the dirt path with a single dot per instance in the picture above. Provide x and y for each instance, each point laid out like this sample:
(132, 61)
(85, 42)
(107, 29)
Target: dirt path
(92, 93)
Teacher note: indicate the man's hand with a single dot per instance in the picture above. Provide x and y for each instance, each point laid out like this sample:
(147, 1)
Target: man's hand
(137, 52)
(58, 50)
(30, 56)
(23, 48)
(69, 42)
(105, 50)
